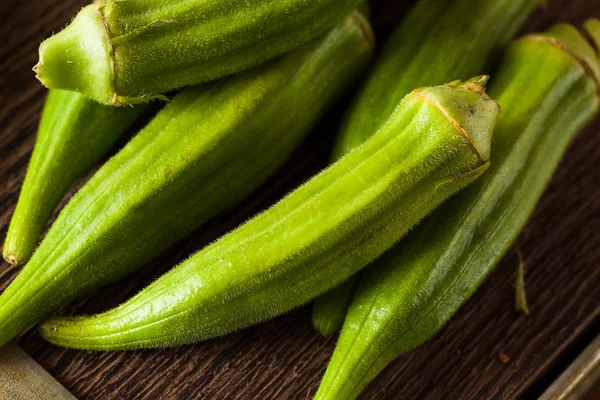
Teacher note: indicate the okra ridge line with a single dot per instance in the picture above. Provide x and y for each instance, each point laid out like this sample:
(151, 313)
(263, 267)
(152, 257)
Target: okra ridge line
(63, 270)
(113, 58)
(364, 27)
(429, 310)
(391, 320)
(456, 125)
(453, 284)
(589, 71)
(258, 234)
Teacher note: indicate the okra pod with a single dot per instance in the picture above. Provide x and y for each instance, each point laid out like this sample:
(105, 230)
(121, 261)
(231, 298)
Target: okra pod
(118, 51)
(547, 86)
(428, 48)
(436, 142)
(74, 133)
(211, 146)
(329, 309)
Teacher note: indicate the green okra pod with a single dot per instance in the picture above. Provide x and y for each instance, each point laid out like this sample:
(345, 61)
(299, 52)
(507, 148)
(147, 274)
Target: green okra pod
(436, 42)
(74, 133)
(122, 51)
(436, 142)
(211, 146)
(329, 309)
(547, 86)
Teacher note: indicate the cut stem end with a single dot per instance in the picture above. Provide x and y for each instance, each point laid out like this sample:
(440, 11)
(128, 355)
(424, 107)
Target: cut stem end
(468, 107)
(79, 58)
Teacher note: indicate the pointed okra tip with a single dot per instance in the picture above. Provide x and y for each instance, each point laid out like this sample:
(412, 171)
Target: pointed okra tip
(11, 258)
(468, 107)
(67, 332)
(79, 58)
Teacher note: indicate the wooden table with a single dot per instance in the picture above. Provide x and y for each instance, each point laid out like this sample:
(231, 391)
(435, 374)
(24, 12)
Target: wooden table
(487, 351)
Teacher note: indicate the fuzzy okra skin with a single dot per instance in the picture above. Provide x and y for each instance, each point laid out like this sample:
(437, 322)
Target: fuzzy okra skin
(429, 48)
(435, 43)
(74, 133)
(120, 51)
(211, 146)
(436, 142)
(329, 309)
(547, 86)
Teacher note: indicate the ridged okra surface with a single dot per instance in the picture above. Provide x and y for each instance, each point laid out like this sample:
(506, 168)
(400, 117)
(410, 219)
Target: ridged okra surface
(547, 87)
(209, 148)
(437, 42)
(74, 133)
(436, 142)
(131, 51)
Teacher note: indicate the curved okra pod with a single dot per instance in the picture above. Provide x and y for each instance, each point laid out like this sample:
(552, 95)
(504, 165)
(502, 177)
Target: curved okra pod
(210, 147)
(436, 142)
(119, 51)
(74, 133)
(547, 86)
(436, 42)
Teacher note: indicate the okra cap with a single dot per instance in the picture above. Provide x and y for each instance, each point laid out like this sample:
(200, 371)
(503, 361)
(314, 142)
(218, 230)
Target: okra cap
(570, 40)
(79, 58)
(467, 106)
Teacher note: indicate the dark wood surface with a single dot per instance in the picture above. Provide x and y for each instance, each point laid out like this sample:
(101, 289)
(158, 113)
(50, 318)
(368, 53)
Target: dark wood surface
(284, 358)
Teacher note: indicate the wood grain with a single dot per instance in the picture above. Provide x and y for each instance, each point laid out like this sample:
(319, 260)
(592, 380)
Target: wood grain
(284, 358)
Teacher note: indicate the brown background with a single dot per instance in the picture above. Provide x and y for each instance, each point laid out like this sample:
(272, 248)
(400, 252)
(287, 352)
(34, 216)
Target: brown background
(285, 358)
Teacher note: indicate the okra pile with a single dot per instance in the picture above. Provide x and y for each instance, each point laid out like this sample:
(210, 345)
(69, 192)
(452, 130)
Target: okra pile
(453, 134)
